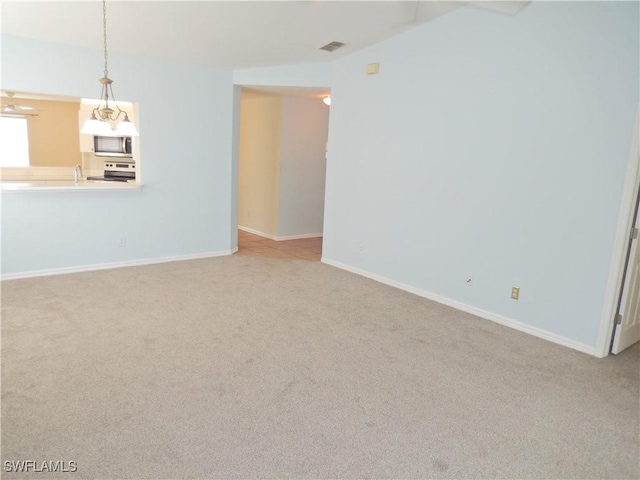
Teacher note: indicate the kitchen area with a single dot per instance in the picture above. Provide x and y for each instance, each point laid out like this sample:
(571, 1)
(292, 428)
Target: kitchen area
(45, 144)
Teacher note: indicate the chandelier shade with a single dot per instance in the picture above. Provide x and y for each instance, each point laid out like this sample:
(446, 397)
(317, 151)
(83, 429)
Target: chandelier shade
(126, 129)
(93, 126)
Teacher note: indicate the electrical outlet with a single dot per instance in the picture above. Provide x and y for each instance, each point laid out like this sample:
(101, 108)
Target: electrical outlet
(469, 281)
(515, 292)
(122, 241)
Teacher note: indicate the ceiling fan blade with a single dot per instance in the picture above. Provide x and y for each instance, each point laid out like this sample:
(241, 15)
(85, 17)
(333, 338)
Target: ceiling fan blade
(15, 113)
(11, 106)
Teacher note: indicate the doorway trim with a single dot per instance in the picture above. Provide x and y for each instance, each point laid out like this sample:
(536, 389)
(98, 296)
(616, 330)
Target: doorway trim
(625, 219)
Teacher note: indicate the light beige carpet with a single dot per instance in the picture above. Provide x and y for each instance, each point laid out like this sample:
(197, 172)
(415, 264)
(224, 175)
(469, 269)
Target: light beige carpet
(248, 367)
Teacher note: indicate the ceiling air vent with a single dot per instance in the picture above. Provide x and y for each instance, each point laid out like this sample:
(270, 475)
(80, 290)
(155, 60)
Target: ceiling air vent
(330, 47)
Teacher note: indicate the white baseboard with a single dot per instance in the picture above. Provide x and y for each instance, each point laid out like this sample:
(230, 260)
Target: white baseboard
(107, 266)
(277, 238)
(494, 317)
(296, 237)
(257, 232)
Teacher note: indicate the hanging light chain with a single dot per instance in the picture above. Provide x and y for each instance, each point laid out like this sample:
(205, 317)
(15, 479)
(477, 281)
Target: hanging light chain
(104, 112)
(104, 35)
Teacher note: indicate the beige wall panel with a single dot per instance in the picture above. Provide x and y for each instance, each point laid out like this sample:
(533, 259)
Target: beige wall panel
(259, 163)
(53, 133)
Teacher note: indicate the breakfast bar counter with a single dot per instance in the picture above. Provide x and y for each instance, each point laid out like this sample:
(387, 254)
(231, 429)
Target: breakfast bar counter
(66, 186)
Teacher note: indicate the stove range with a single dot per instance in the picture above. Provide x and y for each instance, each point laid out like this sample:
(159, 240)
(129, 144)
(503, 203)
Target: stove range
(109, 179)
(117, 172)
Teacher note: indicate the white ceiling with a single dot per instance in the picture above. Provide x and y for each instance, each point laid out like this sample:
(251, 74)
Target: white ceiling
(227, 34)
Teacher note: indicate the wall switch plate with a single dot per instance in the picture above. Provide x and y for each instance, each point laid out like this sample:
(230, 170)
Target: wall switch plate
(515, 292)
(372, 68)
(122, 241)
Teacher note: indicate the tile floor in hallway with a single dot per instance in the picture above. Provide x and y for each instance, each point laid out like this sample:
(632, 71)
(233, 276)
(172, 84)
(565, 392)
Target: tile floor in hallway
(303, 248)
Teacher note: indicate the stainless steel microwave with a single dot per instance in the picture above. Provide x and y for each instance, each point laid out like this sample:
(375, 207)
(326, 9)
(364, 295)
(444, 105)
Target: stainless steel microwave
(112, 146)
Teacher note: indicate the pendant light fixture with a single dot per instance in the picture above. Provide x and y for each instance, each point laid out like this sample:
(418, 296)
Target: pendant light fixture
(103, 114)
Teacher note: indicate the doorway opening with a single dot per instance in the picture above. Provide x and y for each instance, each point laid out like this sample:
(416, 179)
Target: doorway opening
(626, 330)
(282, 146)
(619, 324)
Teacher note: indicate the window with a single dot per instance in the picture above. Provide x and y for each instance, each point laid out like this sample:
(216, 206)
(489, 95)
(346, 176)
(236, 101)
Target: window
(14, 141)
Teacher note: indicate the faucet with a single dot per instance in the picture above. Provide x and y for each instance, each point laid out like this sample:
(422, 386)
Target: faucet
(77, 173)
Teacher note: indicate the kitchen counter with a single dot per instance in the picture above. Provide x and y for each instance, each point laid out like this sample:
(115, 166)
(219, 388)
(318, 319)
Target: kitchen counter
(65, 186)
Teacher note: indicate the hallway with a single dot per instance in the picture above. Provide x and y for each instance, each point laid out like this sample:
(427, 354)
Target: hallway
(301, 249)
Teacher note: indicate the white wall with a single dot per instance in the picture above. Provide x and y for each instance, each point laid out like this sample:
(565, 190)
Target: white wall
(491, 145)
(185, 150)
(305, 123)
(305, 75)
(235, 156)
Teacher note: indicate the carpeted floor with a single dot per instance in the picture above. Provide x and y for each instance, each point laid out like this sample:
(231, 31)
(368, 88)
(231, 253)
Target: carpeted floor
(250, 367)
